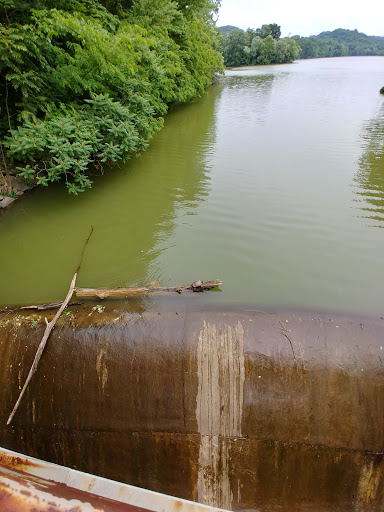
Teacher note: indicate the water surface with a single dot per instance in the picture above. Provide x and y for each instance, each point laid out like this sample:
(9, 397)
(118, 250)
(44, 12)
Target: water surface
(272, 182)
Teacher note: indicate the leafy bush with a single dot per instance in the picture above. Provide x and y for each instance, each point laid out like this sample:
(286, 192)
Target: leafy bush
(65, 144)
(81, 86)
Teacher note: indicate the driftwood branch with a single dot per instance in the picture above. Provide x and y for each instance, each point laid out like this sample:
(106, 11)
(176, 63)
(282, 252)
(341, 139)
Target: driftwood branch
(50, 326)
(47, 332)
(51, 305)
(135, 291)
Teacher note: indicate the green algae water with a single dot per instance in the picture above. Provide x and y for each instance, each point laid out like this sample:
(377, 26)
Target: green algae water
(272, 182)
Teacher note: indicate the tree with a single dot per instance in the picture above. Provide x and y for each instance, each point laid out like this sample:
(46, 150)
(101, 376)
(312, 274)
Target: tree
(241, 48)
(233, 45)
(286, 50)
(275, 31)
(268, 49)
(255, 49)
(201, 8)
(264, 31)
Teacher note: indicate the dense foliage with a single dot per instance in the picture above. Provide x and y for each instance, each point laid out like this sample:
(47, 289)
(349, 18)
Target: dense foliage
(242, 48)
(85, 82)
(339, 42)
(257, 46)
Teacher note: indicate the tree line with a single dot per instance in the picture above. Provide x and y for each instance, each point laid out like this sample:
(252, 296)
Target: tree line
(339, 42)
(264, 46)
(85, 83)
(256, 46)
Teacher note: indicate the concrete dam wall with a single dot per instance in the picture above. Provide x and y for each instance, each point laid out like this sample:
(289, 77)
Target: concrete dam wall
(243, 410)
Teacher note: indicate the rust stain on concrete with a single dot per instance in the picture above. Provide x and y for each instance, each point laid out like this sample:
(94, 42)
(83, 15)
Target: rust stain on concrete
(220, 360)
(370, 477)
(101, 368)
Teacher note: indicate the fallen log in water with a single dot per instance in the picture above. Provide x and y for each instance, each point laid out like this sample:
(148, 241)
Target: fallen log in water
(152, 288)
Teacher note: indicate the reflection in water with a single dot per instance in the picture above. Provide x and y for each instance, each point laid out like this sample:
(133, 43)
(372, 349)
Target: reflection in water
(371, 170)
(183, 148)
(253, 91)
(278, 228)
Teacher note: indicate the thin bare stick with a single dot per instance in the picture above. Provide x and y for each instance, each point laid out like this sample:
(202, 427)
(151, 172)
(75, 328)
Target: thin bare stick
(290, 342)
(7, 185)
(50, 326)
(6, 15)
(4, 179)
(51, 305)
(6, 106)
(82, 252)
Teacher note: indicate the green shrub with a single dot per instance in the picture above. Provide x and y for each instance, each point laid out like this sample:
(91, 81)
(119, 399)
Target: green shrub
(65, 144)
(60, 67)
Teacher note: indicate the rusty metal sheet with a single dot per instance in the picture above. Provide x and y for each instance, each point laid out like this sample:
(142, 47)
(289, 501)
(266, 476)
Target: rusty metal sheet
(20, 491)
(28, 484)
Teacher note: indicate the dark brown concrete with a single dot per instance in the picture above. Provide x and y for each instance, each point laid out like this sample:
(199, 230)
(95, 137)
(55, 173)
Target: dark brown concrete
(243, 410)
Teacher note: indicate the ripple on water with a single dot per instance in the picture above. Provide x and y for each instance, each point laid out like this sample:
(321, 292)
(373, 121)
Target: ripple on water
(272, 182)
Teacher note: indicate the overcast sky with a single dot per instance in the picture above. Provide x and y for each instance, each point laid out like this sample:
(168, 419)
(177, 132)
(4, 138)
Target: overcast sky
(304, 17)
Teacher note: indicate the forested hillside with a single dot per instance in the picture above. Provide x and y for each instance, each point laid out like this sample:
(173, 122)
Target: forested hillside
(227, 28)
(339, 42)
(256, 46)
(85, 83)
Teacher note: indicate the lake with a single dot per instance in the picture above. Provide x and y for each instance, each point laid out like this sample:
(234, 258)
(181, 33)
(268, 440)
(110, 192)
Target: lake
(273, 182)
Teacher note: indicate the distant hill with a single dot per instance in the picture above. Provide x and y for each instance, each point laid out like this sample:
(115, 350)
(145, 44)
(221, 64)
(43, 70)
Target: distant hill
(227, 28)
(340, 42)
(344, 36)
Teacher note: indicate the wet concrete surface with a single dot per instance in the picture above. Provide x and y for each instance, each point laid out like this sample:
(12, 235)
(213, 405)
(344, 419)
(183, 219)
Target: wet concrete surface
(243, 410)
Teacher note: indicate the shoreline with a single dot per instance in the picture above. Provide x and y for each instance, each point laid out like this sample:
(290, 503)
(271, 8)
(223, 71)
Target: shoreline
(11, 188)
